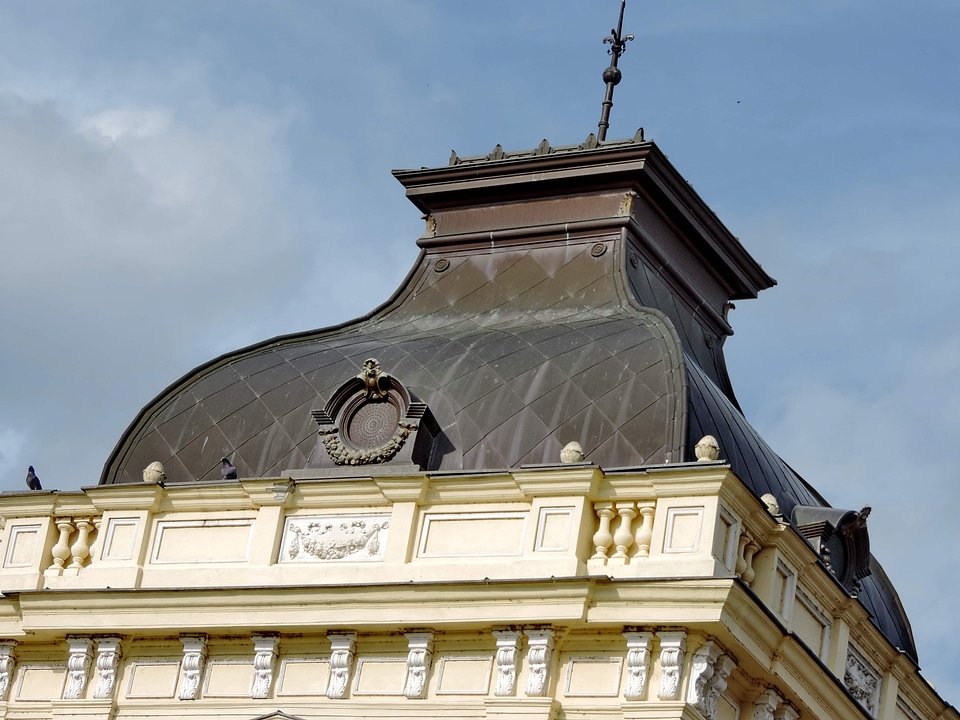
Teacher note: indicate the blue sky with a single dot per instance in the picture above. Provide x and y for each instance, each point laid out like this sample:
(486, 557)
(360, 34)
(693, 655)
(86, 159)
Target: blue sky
(179, 179)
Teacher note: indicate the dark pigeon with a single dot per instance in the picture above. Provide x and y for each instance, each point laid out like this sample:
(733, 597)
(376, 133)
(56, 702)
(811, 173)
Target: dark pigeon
(33, 482)
(228, 471)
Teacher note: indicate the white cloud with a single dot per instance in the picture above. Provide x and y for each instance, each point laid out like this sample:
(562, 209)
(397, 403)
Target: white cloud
(129, 259)
(119, 123)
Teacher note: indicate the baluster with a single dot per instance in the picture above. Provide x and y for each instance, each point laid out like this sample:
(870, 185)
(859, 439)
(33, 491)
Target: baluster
(81, 548)
(645, 534)
(61, 551)
(749, 574)
(603, 538)
(624, 535)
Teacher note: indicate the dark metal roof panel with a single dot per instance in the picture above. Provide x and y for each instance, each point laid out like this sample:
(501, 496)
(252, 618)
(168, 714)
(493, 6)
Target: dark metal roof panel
(763, 471)
(520, 391)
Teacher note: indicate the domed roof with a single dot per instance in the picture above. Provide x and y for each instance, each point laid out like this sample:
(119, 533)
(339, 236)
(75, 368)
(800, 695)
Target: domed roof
(563, 294)
(507, 387)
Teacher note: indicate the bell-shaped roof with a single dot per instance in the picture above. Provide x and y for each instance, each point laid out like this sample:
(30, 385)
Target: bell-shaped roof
(561, 294)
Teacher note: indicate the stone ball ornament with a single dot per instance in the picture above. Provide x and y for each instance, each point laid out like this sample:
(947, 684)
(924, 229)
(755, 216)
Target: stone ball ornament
(572, 453)
(773, 507)
(154, 473)
(708, 449)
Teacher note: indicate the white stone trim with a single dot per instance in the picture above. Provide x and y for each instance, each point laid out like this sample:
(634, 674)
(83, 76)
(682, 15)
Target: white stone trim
(164, 525)
(541, 528)
(302, 660)
(22, 671)
(15, 531)
(474, 658)
(132, 675)
(672, 514)
(616, 664)
(826, 622)
(466, 517)
(208, 671)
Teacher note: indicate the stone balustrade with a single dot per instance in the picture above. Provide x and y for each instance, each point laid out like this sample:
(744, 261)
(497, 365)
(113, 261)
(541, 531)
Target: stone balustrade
(578, 526)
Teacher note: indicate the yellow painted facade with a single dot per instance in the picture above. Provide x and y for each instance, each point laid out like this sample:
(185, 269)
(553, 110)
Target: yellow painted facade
(550, 592)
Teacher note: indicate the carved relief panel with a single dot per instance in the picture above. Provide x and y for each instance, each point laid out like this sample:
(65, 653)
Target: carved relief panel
(862, 680)
(331, 538)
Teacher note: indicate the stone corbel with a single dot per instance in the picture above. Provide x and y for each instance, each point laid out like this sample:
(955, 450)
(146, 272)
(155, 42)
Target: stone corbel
(673, 643)
(191, 668)
(701, 672)
(638, 663)
(786, 712)
(108, 662)
(8, 662)
(766, 704)
(342, 648)
(722, 668)
(264, 659)
(78, 666)
(539, 657)
(508, 650)
(419, 659)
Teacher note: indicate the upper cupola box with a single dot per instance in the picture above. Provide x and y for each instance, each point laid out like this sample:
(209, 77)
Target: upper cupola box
(672, 252)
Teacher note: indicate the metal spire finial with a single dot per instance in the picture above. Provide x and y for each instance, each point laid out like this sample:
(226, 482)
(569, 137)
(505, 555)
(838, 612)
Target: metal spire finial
(612, 75)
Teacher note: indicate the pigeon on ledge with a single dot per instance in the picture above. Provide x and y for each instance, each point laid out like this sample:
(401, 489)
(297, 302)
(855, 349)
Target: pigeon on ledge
(33, 482)
(228, 471)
